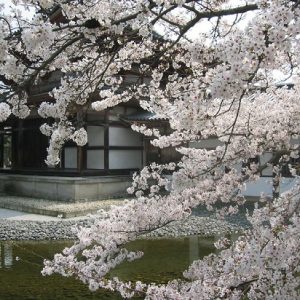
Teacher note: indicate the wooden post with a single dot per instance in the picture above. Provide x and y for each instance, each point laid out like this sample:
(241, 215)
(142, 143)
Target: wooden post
(79, 148)
(17, 154)
(106, 141)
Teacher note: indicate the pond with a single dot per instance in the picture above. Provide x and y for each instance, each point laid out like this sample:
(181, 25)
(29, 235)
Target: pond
(164, 259)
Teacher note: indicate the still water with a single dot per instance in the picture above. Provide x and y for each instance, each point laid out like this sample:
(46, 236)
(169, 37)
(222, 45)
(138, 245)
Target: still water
(163, 260)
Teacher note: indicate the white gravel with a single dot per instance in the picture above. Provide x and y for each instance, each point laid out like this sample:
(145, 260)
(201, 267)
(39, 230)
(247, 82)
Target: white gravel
(194, 225)
(16, 225)
(62, 228)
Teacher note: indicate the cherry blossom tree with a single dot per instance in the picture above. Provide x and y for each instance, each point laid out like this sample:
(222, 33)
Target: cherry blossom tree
(211, 68)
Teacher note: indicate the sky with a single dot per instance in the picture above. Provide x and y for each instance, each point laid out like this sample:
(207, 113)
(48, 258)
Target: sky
(192, 34)
(8, 4)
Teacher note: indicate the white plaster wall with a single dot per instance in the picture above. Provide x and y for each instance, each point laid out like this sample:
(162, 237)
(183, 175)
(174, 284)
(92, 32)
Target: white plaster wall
(95, 135)
(71, 157)
(95, 159)
(120, 136)
(125, 159)
(295, 140)
(264, 158)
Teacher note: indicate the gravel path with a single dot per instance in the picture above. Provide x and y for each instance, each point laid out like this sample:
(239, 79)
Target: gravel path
(40, 227)
(37, 230)
(62, 229)
(15, 225)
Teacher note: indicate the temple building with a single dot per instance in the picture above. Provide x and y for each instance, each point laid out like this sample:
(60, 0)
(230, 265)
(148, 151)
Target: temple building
(101, 169)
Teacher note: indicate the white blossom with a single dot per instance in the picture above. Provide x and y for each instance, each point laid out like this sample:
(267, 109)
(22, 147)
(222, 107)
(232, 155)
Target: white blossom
(216, 86)
(80, 137)
(4, 111)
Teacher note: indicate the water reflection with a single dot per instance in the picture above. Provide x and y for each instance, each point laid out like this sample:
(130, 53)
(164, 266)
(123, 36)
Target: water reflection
(6, 255)
(193, 248)
(163, 260)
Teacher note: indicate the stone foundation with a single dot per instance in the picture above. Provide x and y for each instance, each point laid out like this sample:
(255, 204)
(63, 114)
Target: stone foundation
(68, 189)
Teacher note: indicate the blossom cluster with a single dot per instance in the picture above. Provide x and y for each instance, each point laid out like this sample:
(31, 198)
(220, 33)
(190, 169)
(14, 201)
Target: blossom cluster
(219, 86)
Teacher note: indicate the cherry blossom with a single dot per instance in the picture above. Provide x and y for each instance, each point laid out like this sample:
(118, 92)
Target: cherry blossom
(218, 83)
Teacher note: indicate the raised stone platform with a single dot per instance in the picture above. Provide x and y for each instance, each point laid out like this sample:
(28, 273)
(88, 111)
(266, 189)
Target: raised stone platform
(57, 209)
(67, 189)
